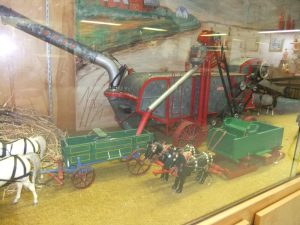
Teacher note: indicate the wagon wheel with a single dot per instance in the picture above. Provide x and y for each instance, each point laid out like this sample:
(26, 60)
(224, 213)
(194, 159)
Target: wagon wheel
(137, 164)
(83, 177)
(189, 133)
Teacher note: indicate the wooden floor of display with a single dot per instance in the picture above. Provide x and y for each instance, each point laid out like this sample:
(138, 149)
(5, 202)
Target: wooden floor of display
(118, 198)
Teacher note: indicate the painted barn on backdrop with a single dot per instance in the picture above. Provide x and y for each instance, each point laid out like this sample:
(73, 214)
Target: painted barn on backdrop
(132, 5)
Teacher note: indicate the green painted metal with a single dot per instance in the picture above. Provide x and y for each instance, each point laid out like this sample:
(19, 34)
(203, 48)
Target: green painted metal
(100, 146)
(237, 139)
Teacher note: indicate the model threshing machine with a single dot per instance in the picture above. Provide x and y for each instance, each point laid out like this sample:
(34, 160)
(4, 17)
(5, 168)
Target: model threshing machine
(180, 101)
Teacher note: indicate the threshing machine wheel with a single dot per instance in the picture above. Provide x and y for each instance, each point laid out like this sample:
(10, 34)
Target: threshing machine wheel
(137, 163)
(189, 133)
(83, 177)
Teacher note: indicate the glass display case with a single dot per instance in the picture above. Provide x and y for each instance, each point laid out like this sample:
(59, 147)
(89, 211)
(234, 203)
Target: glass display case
(153, 112)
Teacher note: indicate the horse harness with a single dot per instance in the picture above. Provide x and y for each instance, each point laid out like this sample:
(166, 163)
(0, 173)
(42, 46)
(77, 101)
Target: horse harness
(13, 178)
(8, 152)
(204, 156)
(4, 149)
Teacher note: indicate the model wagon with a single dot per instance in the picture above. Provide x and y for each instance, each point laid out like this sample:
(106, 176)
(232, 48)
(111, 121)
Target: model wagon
(80, 152)
(241, 146)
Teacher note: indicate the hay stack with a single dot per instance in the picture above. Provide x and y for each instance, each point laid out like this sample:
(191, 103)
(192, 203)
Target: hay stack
(22, 123)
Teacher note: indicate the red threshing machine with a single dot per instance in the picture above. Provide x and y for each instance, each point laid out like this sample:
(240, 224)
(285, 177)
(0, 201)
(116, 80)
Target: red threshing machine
(204, 91)
(180, 101)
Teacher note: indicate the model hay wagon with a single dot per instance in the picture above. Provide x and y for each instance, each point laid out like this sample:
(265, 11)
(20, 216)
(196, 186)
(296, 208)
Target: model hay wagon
(242, 146)
(80, 152)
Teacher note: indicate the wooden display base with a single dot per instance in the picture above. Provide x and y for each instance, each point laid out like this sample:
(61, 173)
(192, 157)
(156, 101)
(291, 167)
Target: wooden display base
(253, 209)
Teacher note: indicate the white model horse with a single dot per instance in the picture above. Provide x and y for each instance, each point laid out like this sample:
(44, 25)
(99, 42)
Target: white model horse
(17, 168)
(24, 146)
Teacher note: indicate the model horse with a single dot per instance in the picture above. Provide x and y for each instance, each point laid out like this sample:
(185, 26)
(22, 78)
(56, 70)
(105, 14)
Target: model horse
(153, 150)
(17, 168)
(200, 163)
(23, 146)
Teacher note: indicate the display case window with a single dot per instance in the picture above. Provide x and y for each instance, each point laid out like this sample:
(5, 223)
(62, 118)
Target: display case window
(146, 112)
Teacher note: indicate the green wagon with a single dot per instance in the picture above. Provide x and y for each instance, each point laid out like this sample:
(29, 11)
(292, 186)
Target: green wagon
(79, 152)
(238, 139)
(242, 146)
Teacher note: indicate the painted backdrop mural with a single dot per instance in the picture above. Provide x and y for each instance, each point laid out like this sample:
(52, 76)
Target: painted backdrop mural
(138, 33)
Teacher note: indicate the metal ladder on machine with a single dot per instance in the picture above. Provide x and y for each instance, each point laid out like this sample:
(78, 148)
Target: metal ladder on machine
(234, 108)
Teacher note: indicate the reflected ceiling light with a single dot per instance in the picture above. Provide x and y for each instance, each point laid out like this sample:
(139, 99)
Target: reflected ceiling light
(212, 35)
(7, 47)
(100, 23)
(214, 46)
(278, 31)
(261, 43)
(235, 39)
(154, 29)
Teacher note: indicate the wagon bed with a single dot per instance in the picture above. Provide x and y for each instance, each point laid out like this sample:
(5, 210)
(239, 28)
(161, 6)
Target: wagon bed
(80, 152)
(242, 146)
(100, 146)
(238, 139)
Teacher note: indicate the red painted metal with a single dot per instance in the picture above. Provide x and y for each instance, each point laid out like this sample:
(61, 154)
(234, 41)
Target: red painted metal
(200, 100)
(206, 95)
(191, 129)
(143, 122)
(189, 132)
(250, 64)
(168, 108)
(112, 94)
(167, 120)
(59, 176)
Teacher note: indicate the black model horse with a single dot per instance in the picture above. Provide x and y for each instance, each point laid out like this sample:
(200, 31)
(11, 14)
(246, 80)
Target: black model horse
(190, 160)
(200, 163)
(153, 150)
(162, 155)
(167, 158)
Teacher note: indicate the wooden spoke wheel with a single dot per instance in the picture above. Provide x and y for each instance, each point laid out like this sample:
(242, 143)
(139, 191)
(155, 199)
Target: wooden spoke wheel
(137, 164)
(83, 177)
(189, 133)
